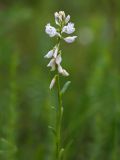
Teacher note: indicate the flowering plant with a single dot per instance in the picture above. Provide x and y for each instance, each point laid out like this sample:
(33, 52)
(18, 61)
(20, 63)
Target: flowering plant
(64, 26)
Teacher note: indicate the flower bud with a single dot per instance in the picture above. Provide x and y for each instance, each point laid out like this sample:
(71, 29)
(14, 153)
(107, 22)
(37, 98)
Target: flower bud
(52, 82)
(62, 15)
(67, 19)
(70, 39)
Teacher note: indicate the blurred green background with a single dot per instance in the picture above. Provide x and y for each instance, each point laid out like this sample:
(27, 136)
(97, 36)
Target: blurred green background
(91, 120)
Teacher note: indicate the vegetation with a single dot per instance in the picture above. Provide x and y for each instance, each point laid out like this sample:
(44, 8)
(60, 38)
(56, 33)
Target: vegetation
(91, 122)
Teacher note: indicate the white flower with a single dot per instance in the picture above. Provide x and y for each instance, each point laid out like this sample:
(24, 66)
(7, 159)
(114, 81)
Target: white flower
(52, 64)
(64, 26)
(49, 54)
(62, 15)
(59, 17)
(55, 52)
(52, 82)
(65, 73)
(52, 53)
(70, 39)
(60, 69)
(51, 31)
(67, 19)
(69, 28)
(58, 59)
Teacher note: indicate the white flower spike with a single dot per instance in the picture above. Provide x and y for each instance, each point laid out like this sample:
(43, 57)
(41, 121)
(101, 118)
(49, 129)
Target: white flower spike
(64, 26)
(70, 39)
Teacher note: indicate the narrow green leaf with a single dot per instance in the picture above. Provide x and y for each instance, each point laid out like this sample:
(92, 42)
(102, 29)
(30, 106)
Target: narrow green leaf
(52, 129)
(65, 87)
(53, 108)
(61, 153)
(7, 146)
(66, 152)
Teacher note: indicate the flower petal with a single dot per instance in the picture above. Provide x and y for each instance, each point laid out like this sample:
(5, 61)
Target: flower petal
(67, 19)
(55, 52)
(62, 15)
(60, 70)
(58, 59)
(57, 18)
(52, 82)
(65, 73)
(70, 39)
(51, 31)
(49, 54)
(69, 29)
(52, 64)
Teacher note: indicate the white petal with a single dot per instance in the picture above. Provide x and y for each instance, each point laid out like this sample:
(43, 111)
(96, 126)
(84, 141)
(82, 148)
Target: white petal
(56, 21)
(56, 14)
(62, 14)
(70, 39)
(51, 31)
(57, 18)
(53, 68)
(52, 83)
(71, 24)
(55, 52)
(58, 59)
(67, 19)
(69, 29)
(52, 64)
(60, 70)
(65, 73)
(49, 54)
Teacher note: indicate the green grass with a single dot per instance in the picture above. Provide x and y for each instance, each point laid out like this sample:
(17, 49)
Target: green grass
(92, 103)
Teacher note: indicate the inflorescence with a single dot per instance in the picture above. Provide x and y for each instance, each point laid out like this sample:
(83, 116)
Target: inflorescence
(64, 26)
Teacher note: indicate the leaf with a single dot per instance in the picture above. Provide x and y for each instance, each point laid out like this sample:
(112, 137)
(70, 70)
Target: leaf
(65, 87)
(66, 152)
(7, 146)
(61, 153)
(52, 129)
(53, 108)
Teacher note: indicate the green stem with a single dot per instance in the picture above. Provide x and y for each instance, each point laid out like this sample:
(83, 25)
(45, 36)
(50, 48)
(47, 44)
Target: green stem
(58, 120)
